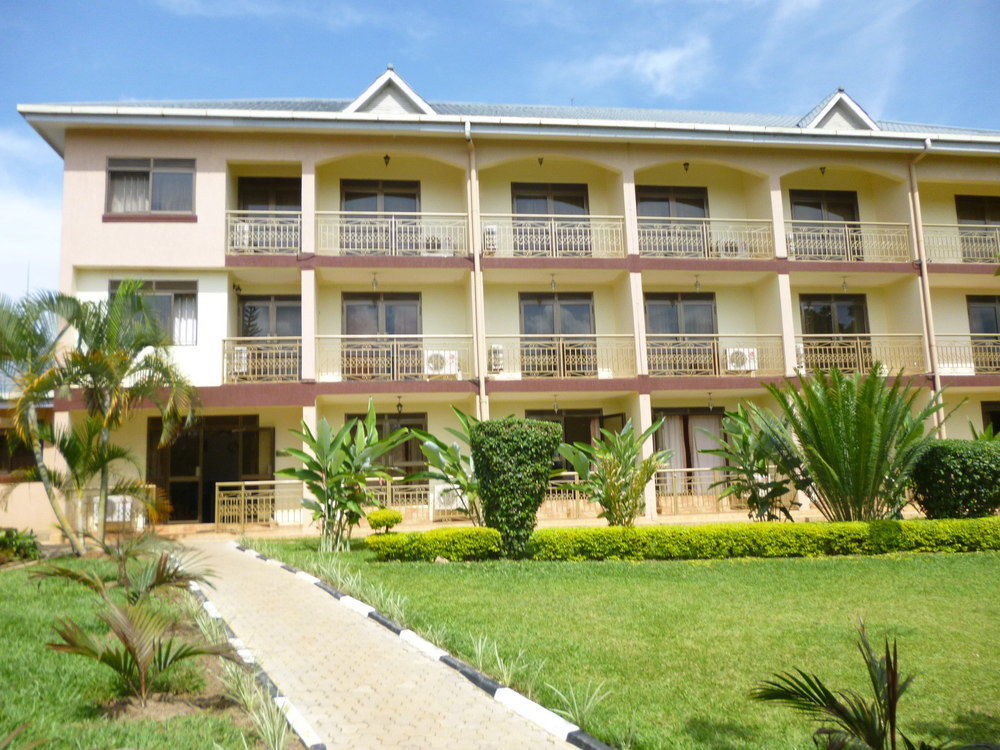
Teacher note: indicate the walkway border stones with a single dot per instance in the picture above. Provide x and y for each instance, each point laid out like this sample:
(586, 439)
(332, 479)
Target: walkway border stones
(536, 713)
(293, 716)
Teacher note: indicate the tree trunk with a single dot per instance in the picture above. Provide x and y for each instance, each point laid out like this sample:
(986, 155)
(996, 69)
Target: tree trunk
(102, 500)
(50, 493)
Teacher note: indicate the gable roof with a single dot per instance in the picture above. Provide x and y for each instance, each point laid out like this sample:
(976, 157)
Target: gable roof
(839, 100)
(389, 93)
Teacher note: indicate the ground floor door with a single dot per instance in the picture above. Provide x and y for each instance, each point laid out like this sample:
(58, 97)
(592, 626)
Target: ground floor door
(216, 449)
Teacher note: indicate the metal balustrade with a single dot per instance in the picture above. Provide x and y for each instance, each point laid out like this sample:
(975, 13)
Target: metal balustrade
(688, 491)
(705, 238)
(881, 242)
(968, 353)
(552, 236)
(962, 243)
(266, 502)
(416, 357)
(713, 355)
(262, 360)
(576, 356)
(392, 234)
(263, 232)
(859, 352)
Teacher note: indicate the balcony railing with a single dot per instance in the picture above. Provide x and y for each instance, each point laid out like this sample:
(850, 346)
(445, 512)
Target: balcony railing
(689, 491)
(263, 232)
(738, 355)
(576, 356)
(848, 241)
(546, 236)
(254, 503)
(414, 357)
(962, 243)
(859, 352)
(392, 234)
(262, 360)
(968, 353)
(705, 238)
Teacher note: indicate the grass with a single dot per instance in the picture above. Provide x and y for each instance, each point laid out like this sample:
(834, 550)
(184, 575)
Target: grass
(61, 696)
(676, 646)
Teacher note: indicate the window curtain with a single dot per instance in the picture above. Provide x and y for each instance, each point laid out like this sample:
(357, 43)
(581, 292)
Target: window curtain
(701, 442)
(129, 192)
(185, 320)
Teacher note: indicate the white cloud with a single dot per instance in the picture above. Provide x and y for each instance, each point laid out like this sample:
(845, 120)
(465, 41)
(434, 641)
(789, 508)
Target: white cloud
(335, 15)
(666, 72)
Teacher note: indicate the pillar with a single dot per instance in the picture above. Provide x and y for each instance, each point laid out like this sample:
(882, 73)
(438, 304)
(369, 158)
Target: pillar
(309, 318)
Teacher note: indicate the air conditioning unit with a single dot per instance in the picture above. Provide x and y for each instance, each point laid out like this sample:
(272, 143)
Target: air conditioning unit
(741, 359)
(490, 234)
(240, 363)
(496, 359)
(242, 236)
(441, 362)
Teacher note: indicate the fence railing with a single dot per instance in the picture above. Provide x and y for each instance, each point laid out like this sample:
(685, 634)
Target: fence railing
(544, 356)
(705, 238)
(125, 514)
(263, 232)
(418, 357)
(685, 491)
(962, 243)
(968, 353)
(858, 352)
(262, 360)
(254, 503)
(563, 500)
(553, 236)
(849, 241)
(392, 234)
(738, 355)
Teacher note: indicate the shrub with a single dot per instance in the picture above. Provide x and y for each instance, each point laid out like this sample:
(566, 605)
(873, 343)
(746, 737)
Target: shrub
(18, 545)
(958, 479)
(456, 544)
(384, 518)
(513, 460)
(765, 540)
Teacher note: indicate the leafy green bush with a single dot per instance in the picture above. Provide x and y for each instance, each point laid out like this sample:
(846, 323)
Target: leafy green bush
(513, 460)
(384, 518)
(457, 544)
(958, 479)
(765, 540)
(18, 545)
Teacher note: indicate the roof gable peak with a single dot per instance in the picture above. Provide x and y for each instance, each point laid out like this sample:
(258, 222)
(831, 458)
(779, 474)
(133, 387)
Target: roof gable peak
(390, 94)
(838, 112)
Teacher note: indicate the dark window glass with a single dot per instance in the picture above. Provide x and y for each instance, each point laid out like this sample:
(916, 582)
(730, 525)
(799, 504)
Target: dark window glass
(396, 314)
(174, 305)
(984, 314)
(978, 209)
(833, 313)
(824, 205)
(14, 455)
(269, 193)
(270, 316)
(550, 199)
(557, 314)
(138, 186)
(672, 202)
(389, 196)
(681, 312)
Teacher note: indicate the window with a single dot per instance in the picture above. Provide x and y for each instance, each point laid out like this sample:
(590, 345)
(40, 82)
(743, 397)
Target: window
(681, 327)
(174, 304)
(406, 458)
(396, 314)
(831, 314)
(672, 202)
(684, 433)
(149, 186)
(978, 209)
(14, 455)
(269, 193)
(561, 199)
(578, 426)
(680, 312)
(270, 316)
(824, 205)
(380, 196)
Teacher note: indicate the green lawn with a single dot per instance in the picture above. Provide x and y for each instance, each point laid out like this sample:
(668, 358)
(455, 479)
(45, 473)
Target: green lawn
(61, 695)
(679, 644)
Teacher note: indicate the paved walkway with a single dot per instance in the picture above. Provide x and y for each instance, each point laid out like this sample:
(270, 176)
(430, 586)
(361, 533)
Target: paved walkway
(357, 684)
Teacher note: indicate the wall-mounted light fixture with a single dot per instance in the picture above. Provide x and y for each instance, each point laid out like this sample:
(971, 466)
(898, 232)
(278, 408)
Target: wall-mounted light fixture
(399, 404)
(710, 404)
(374, 282)
(555, 402)
(822, 171)
(237, 288)
(686, 165)
(387, 159)
(843, 284)
(552, 283)
(540, 160)
(697, 283)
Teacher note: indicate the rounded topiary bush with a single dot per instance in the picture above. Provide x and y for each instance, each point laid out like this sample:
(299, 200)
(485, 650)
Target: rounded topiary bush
(384, 519)
(513, 460)
(958, 479)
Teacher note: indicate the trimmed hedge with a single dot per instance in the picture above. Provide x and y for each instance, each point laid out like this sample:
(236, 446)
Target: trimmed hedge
(727, 540)
(513, 460)
(452, 544)
(958, 479)
(384, 518)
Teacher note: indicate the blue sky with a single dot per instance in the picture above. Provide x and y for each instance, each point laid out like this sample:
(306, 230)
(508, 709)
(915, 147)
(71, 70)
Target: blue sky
(915, 60)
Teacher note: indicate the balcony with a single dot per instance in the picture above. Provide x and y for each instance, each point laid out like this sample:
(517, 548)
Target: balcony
(859, 352)
(257, 503)
(546, 356)
(880, 242)
(968, 354)
(691, 491)
(705, 238)
(548, 236)
(351, 233)
(393, 358)
(263, 233)
(262, 360)
(715, 355)
(962, 243)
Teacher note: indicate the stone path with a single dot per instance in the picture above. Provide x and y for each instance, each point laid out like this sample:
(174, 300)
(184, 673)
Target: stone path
(356, 683)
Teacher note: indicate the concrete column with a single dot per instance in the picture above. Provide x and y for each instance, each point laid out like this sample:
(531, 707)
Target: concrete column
(310, 417)
(631, 214)
(777, 216)
(643, 421)
(787, 310)
(308, 231)
(309, 318)
(638, 321)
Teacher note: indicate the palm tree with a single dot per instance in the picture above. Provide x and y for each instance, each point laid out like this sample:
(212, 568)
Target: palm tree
(120, 362)
(29, 339)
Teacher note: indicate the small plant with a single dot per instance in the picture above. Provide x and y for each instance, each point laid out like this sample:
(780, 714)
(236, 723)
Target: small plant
(578, 704)
(384, 519)
(268, 719)
(857, 722)
(987, 434)
(18, 545)
(450, 465)
(613, 473)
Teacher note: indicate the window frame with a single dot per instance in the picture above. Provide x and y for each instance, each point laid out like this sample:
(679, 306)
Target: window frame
(671, 194)
(833, 298)
(380, 188)
(678, 299)
(824, 198)
(161, 287)
(272, 302)
(549, 191)
(150, 171)
(990, 205)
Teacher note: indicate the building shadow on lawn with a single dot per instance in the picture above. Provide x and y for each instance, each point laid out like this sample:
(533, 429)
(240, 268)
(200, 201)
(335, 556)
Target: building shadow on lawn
(965, 728)
(722, 735)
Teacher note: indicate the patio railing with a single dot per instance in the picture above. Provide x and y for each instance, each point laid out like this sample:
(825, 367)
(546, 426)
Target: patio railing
(417, 357)
(968, 353)
(881, 242)
(962, 243)
(266, 502)
(549, 236)
(705, 238)
(858, 352)
(576, 356)
(737, 355)
(262, 360)
(392, 234)
(263, 232)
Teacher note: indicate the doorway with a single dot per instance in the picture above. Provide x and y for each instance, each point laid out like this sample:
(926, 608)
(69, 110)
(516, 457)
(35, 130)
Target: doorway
(557, 332)
(578, 426)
